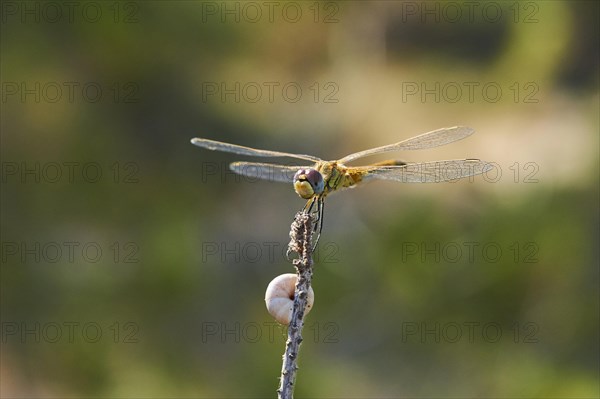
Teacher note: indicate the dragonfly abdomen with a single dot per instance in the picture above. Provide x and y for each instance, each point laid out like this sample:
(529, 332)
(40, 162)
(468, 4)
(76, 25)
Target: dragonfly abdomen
(390, 162)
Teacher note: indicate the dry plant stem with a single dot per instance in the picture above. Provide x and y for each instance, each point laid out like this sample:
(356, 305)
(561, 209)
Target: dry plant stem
(301, 242)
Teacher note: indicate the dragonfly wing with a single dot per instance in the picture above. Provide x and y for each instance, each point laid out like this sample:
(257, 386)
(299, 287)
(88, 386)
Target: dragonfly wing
(241, 150)
(266, 171)
(432, 139)
(430, 172)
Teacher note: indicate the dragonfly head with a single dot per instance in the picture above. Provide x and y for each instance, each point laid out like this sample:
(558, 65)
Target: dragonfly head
(308, 182)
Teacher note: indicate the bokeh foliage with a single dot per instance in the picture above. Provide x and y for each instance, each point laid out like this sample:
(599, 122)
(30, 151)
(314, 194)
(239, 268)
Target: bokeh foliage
(370, 285)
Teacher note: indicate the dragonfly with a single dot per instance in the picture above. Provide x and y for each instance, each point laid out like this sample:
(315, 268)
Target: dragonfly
(314, 179)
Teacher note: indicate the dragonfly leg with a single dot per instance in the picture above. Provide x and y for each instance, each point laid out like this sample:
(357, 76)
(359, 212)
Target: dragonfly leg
(319, 226)
(318, 222)
(309, 205)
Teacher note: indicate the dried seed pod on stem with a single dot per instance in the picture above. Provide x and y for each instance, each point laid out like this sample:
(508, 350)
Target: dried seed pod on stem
(301, 235)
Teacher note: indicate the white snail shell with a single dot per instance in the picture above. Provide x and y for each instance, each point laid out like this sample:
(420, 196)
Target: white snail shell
(280, 298)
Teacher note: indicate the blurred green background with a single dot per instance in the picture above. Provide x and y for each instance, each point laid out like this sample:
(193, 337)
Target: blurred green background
(134, 264)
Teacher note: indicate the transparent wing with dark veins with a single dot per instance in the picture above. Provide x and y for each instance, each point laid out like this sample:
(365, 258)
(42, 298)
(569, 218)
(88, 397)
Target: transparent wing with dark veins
(241, 150)
(266, 171)
(429, 172)
(432, 139)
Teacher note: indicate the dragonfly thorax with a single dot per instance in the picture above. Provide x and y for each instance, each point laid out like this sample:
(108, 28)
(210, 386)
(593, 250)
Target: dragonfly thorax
(308, 183)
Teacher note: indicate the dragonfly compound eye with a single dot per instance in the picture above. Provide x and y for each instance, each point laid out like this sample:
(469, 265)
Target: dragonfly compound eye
(308, 182)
